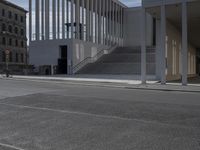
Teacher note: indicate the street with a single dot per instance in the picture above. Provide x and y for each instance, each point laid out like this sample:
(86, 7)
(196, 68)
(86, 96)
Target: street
(50, 115)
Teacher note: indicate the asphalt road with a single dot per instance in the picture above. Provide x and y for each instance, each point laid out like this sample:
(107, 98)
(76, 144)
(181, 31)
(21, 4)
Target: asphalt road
(36, 115)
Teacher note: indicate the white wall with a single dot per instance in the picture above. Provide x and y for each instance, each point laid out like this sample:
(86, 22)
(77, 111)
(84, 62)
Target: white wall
(132, 26)
(46, 52)
(83, 50)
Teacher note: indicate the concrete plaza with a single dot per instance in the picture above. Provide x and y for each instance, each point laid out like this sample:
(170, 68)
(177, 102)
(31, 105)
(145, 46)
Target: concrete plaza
(51, 115)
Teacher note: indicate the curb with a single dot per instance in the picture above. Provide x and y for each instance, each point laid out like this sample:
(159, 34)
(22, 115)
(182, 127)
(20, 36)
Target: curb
(126, 84)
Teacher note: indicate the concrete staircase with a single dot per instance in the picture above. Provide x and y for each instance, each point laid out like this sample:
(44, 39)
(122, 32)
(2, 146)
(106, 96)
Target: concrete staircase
(123, 60)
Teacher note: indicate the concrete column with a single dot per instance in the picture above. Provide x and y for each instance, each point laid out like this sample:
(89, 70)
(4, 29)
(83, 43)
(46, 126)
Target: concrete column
(162, 43)
(67, 17)
(110, 23)
(87, 21)
(72, 19)
(118, 25)
(47, 19)
(106, 19)
(37, 19)
(158, 49)
(30, 21)
(92, 29)
(103, 23)
(96, 21)
(42, 18)
(58, 19)
(54, 18)
(100, 22)
(184, 43)
(77, 19)
(63, 19)
(83, 19)
(113, 22)
(121, 28)
(143, 46)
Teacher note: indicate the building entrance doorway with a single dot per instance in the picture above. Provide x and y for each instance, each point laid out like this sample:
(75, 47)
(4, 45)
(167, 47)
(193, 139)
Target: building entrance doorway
(62, 61)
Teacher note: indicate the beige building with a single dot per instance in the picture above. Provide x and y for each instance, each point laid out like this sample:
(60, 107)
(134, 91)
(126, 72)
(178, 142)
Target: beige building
(13, 36)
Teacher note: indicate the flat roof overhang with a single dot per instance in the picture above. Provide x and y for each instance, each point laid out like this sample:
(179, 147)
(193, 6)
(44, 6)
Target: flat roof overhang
(173, 14)
(153, 3)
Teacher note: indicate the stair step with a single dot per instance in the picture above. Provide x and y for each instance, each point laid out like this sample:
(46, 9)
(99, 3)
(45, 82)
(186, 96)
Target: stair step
(133, 50)
(117, 68)
(127, 58)
(122, 61)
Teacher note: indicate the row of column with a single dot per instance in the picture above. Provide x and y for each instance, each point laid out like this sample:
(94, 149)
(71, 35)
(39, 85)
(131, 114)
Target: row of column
(162, 46)
(97, 21)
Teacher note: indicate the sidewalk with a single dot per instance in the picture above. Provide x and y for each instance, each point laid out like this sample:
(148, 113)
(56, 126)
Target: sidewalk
(114, 82)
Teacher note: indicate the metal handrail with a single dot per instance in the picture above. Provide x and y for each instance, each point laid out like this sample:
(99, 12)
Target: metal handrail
(92, 59)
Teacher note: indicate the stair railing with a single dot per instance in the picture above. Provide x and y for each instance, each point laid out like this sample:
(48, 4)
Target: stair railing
(93, 59)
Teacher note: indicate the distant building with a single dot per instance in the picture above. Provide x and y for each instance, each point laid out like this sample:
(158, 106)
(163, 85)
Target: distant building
(13, 36)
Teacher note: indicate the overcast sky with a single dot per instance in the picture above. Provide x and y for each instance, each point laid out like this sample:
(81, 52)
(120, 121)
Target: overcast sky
(130, 3)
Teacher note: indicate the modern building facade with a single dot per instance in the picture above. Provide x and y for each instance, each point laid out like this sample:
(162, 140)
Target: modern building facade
(13, 36)
(158, 40)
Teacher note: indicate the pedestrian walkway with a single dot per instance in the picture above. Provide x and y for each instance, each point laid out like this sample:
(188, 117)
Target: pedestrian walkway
(114, 81)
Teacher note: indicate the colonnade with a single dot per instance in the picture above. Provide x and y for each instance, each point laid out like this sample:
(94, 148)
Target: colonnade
(162, 44)
(97, 21)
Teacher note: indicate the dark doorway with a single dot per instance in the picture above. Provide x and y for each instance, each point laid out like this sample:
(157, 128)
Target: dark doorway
(62, 61)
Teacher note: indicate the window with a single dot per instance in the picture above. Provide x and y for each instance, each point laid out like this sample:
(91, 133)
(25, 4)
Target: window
(22, 57)
(16, 43)
(22, 44)
(3, 12)
(10, 42)
(4, 41)
(10, 57)
(16, 30)
(22, 32)
(22, 19)
(10, 29)
(3, 27)
(10, 15)
(16, 17)
(16, 57)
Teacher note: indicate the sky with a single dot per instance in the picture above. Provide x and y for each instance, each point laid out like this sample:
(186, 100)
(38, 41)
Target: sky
(24, 3)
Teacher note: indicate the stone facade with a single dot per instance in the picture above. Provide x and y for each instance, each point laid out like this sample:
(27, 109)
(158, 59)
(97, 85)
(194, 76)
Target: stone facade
(13, 35)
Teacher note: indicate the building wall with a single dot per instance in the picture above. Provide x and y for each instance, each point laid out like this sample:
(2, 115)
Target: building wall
(132, 26)
(13, 33)
(83, 50)
(47, 52)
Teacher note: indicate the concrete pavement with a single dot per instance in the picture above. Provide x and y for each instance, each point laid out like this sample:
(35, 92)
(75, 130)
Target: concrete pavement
(49, 115)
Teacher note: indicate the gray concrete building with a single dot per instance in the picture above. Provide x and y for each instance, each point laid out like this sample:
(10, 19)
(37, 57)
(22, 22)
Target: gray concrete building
(158, 40)
(13, 36)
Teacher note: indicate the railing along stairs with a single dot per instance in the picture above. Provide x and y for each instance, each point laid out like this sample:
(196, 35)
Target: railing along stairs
(93, 59)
